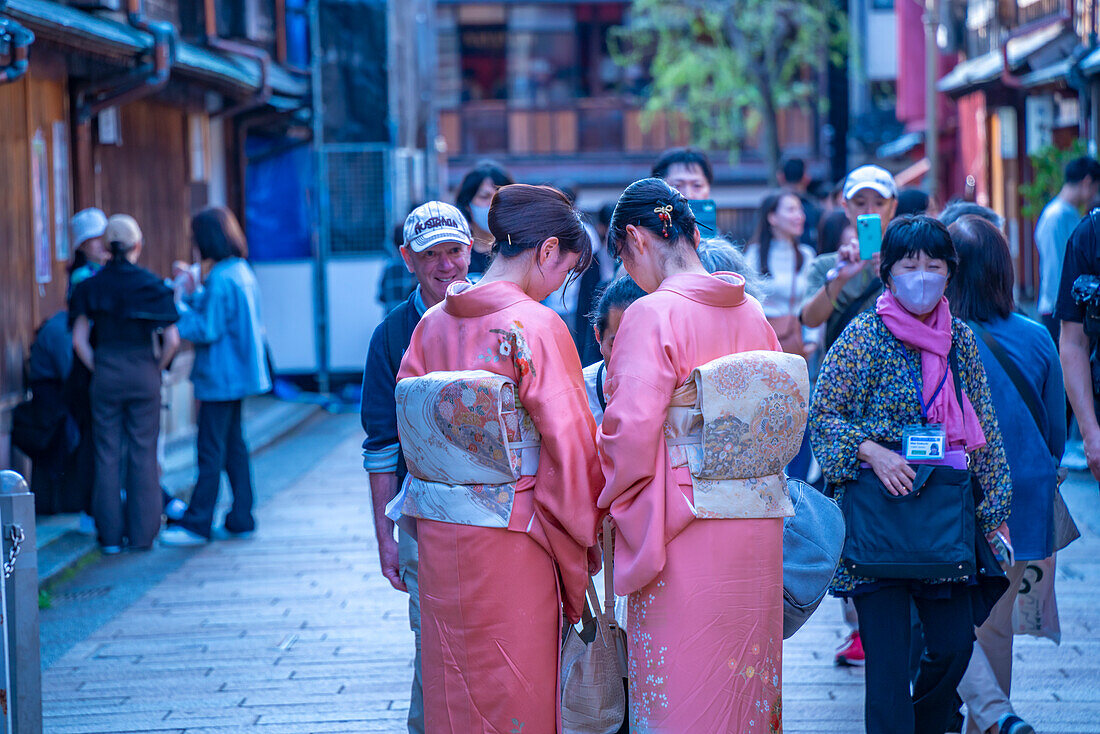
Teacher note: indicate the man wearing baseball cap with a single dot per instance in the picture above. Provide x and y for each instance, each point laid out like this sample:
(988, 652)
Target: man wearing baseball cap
(840, 285)
(436, 250)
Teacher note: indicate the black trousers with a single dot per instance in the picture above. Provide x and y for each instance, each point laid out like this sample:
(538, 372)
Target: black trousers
(221, 447)
(125, 400)
(885, 628)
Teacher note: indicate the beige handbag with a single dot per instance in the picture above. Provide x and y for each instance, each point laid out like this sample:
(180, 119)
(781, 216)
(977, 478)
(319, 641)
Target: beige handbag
(593, 663)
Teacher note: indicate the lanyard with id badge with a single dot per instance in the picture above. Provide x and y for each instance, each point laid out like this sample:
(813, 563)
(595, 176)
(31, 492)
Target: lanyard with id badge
(926, 441)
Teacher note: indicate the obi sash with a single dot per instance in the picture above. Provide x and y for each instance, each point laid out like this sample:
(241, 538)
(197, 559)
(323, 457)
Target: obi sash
(735, 424)
(466, 440)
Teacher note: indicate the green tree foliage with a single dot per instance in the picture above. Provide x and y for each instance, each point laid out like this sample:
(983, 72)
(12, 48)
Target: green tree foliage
(730, 66)
(1047, 174)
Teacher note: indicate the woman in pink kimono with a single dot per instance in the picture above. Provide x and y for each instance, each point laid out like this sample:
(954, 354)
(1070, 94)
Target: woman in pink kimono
(492, 598)
(705, 595)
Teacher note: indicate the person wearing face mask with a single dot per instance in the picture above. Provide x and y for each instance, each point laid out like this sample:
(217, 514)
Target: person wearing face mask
(474, 197)
(702, 564)
(687, 170)
(891, 375)
(504, 538)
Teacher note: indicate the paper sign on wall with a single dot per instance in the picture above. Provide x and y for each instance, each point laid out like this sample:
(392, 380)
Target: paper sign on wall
(61, 204)
(40, 193)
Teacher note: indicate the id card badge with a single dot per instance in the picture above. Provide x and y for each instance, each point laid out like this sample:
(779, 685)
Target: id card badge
(924, 443)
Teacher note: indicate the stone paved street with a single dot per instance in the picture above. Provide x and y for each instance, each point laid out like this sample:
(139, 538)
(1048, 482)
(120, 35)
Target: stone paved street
(296, 631)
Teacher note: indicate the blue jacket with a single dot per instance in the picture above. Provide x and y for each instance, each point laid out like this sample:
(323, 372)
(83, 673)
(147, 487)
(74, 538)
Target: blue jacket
(1033, 451)
(222, 320)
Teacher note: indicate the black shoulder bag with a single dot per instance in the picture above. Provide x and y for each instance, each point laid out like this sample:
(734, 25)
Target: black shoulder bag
(926, 534)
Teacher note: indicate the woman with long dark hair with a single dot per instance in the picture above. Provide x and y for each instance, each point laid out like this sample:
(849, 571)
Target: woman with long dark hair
(1025, 380)
(698, 551)
(504, 523)
(783, 262)
(134, 340)
(222, 319)
(475, 194)
(834, 230)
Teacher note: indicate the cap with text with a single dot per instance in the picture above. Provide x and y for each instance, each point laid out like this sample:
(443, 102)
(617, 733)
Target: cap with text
(876, 178)
(435, 223)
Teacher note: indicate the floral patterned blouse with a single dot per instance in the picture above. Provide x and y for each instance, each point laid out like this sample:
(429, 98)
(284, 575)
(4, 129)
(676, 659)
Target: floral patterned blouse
(866, 391)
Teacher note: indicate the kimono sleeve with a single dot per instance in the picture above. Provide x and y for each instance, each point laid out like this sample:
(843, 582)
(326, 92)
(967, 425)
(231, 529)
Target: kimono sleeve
(642, 491)
(569, 479)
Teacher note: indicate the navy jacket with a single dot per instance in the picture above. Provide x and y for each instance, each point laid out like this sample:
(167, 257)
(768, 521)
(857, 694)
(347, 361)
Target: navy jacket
(378, 412)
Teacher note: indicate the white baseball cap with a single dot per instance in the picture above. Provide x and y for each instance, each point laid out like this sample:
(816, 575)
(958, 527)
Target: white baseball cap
(433, 223)
(87, 224)
(875, 178)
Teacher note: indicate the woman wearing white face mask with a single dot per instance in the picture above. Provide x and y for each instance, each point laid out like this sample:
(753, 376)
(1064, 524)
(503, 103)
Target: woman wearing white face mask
(891, 376)
(475, 195)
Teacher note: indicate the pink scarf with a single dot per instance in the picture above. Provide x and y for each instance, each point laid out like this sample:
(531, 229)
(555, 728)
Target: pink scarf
(933, 339)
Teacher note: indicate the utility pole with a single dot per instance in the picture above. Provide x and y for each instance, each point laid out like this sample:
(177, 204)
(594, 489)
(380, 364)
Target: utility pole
(931, 130)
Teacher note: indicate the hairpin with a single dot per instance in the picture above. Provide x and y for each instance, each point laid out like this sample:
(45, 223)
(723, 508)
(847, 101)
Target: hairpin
(664, 213)
(509, 240)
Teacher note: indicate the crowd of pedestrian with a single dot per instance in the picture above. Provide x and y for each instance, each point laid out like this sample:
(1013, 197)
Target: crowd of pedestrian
(509, 410)
(92, 425)
(548, 387)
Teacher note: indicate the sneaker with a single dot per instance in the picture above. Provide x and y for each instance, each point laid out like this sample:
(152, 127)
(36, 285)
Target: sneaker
(177, 536)
(174, 509)
(850, 653)
(110, 550)
(1013, 724)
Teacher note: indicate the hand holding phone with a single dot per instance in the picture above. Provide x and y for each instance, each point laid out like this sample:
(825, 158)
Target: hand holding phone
(848, 263)
(1002, 549)
(869, 232)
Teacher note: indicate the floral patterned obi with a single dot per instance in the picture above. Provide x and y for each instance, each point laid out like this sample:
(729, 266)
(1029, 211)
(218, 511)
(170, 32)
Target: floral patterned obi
(735, 424)
(466, 440)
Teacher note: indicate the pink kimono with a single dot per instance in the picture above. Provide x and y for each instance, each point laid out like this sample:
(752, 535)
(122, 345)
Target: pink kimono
(491, 599)
(705, 606)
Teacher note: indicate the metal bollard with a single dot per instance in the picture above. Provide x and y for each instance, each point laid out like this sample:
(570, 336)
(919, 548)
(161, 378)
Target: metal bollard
(20, 567)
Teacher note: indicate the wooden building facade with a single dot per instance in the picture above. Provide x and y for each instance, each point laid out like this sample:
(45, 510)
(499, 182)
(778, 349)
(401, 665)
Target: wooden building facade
(133, 114)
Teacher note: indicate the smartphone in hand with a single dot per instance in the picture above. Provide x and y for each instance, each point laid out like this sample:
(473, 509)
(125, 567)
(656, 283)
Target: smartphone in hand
(869, 232)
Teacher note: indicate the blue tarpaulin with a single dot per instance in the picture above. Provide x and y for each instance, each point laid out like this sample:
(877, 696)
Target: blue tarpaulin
(277, 205)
